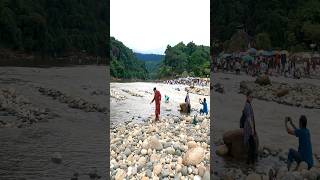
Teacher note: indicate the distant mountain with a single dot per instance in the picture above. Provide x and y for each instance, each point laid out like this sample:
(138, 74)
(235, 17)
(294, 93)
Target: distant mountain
(149, 57)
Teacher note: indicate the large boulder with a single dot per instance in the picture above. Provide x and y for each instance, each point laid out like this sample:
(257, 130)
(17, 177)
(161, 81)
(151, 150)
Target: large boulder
(194, 156)
(234, 141)
(184, 107)
(263, 80)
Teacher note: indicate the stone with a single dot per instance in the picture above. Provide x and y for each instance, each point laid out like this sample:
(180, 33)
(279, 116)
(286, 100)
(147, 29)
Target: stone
(194, 156)
(184, 171)
(142, 161)
(154, 143)
(144, 152)
(197, 177)
(157, 169)
(222, 150)
(201, 170)
(121, 174)
(165, 173)
(56, 158)
(233, 139)
(192, 144)
(263, 80)
(127, 152)
(302, 166)
(170, 150)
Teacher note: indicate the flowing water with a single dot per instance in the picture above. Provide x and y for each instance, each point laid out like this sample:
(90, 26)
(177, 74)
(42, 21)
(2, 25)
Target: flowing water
(77, 135)
(138, 108)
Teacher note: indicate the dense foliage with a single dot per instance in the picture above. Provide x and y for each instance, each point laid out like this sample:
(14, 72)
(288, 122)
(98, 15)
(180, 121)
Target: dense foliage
(152, 62)
(281, 24)
(54, 27)
(124, 64)
(186, 60)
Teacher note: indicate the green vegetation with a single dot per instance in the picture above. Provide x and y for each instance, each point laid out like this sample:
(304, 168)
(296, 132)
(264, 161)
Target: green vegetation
(54, 27)
(180, 60)
(273, 24)
(184, 60)
(124, 63)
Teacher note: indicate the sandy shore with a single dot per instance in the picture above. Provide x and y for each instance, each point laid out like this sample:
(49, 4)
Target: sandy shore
(75, 129)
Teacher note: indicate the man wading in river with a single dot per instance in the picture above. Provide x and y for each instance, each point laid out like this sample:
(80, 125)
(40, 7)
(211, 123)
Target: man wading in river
(304, 152)
(157, 99)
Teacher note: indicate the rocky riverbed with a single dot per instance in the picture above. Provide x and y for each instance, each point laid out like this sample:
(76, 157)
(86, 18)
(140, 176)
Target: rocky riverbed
(271, 165)
(297, 94)
(269, 116)
(173, 148)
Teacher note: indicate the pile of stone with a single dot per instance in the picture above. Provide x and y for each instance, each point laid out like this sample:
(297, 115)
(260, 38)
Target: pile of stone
(205, 91)
(132, 93)
(19, 107)
(171, 148)
(298, 94)
(117, 96)
(73, 102)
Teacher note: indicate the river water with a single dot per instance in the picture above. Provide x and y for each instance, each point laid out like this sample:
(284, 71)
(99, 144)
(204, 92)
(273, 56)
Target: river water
(138, 108)
(79, 136)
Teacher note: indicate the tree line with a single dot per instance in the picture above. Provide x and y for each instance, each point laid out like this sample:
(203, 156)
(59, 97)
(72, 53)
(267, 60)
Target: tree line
(54, 27)
(273, 24)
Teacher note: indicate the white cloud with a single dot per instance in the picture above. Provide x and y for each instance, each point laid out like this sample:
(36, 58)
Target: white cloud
(150, 25)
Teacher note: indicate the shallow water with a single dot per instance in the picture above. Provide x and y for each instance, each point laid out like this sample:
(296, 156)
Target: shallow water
(79, 136)
(139, 108)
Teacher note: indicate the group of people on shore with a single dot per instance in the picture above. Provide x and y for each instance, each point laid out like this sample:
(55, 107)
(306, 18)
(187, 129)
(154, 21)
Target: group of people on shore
(279, 64)
(190, 81)
(157, 100)
(304, 152)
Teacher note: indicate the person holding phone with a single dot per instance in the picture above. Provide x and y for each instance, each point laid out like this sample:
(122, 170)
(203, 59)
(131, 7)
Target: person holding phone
(304, 152)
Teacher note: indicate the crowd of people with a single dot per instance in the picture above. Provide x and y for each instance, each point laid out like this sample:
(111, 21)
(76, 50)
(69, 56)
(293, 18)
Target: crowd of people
(278, 64)
(190, 81)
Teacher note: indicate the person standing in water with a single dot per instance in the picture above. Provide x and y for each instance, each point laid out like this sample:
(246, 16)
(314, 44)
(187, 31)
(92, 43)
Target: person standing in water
(249, 130)
(304, 152)
(157, 99)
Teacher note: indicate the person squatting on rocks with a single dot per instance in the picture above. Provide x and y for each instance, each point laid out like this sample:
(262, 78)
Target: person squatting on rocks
(204, 109)
(187, 101)
(304, 152)
(157, 99)
(249, 130)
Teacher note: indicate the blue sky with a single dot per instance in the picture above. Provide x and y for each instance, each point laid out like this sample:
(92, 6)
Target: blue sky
(148, 26)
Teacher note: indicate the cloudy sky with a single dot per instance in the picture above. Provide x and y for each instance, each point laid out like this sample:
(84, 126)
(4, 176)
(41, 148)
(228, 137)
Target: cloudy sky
(148, 26)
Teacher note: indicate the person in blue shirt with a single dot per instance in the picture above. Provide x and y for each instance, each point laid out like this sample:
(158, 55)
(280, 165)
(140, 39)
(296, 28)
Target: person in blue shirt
(204, 110)
(304, 152)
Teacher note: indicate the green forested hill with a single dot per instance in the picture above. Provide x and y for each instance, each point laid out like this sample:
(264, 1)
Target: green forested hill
(184, 60)
(124, 63)
(54, 27)
(283, 24)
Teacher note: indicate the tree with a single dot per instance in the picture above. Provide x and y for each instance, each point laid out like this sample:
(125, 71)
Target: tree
(263, 41)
